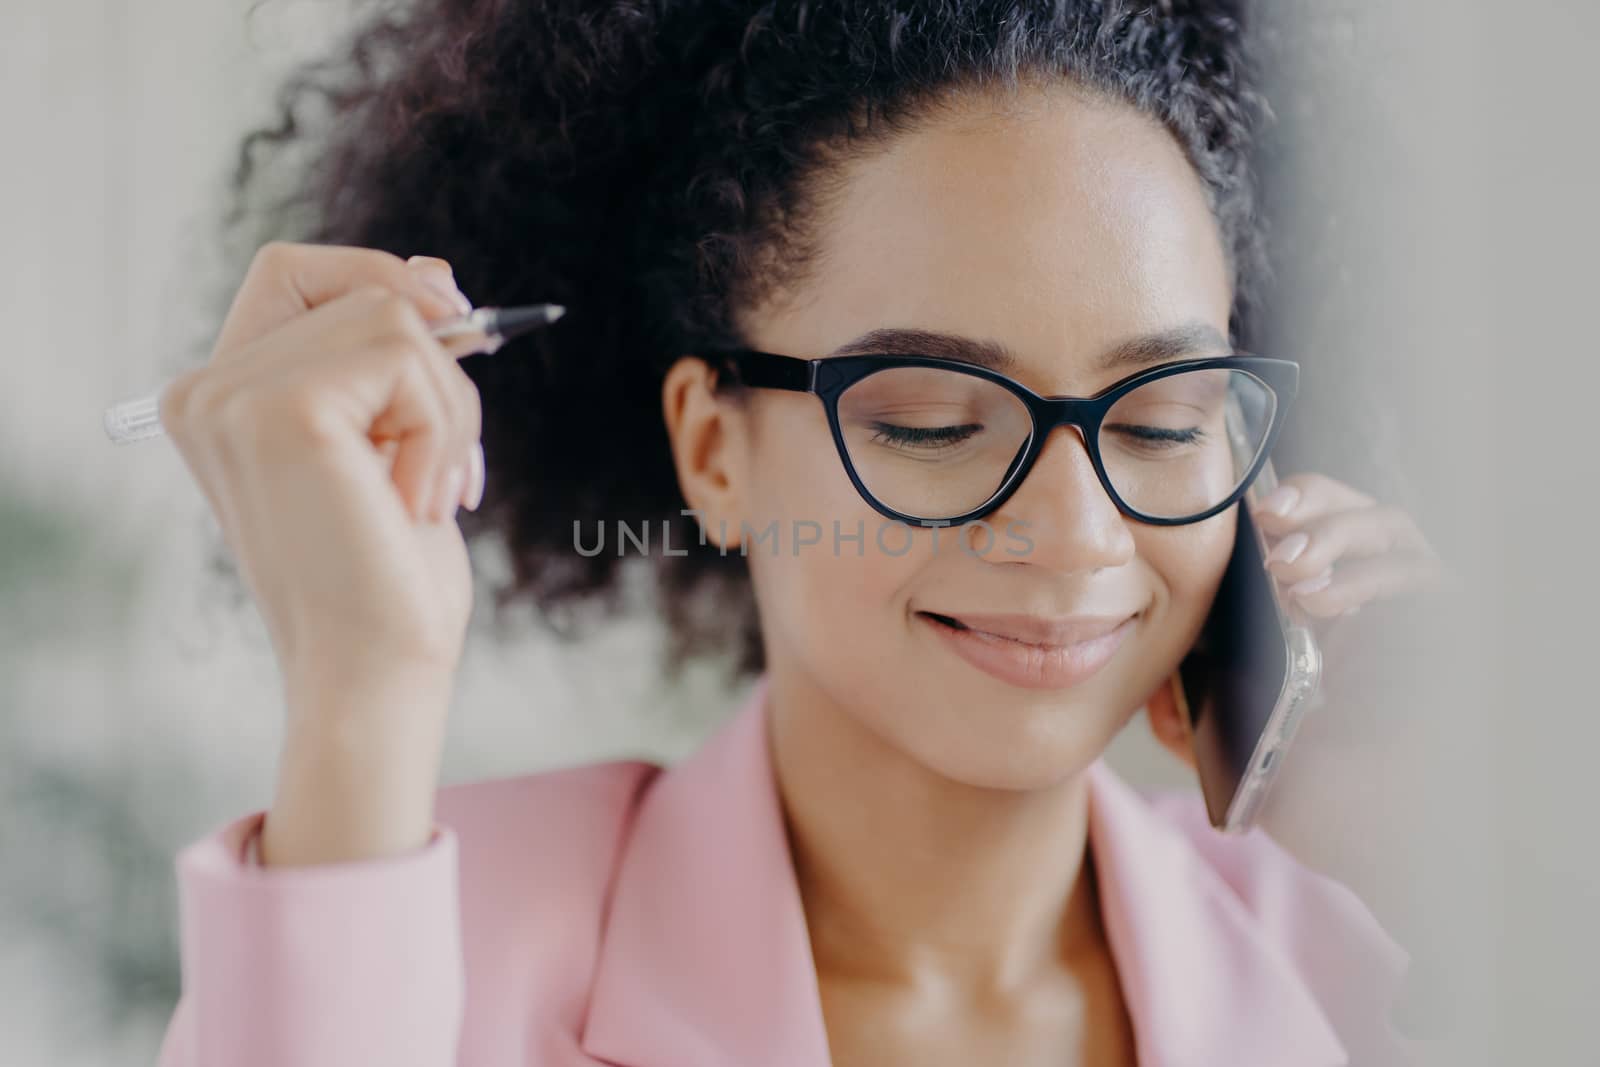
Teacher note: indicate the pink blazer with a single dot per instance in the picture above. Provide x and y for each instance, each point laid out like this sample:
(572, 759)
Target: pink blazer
(621, 913)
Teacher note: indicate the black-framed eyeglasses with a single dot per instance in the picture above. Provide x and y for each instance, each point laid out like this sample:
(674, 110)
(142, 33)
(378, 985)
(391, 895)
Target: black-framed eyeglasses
(939, 442)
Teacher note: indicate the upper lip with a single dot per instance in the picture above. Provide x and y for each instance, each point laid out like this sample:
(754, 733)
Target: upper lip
(1052, 631)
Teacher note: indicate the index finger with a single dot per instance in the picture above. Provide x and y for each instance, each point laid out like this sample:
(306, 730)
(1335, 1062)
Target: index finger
(1312, 495)
(286, 279)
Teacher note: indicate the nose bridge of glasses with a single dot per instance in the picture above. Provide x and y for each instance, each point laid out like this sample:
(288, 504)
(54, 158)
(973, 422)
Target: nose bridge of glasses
(1076, 416)
(1074, 413)
(1062, 468)
(1071, 416)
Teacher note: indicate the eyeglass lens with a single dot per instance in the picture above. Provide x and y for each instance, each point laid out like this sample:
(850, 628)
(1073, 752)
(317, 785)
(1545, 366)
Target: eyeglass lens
(936, 444)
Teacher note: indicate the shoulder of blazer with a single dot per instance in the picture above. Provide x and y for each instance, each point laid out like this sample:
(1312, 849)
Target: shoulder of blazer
(537, 857)
(1346, 957)
(1275, 886)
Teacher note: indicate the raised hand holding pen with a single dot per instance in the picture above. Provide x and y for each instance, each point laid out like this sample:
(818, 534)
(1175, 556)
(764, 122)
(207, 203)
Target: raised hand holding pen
(334, 436)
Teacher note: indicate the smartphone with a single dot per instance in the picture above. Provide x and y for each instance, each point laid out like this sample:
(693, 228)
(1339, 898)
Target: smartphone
(1252, 675)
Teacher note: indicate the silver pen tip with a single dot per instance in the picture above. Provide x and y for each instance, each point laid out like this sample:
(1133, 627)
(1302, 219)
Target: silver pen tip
(514, 321)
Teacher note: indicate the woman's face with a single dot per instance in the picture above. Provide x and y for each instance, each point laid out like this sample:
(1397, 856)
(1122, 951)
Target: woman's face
(1057, 228)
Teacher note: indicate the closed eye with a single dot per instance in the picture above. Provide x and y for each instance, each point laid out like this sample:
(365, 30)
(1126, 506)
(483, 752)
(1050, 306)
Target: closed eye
(924, 436)
(1158, 435)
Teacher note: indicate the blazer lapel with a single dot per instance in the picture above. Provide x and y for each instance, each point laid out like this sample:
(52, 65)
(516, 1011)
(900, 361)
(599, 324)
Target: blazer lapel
(706, 960)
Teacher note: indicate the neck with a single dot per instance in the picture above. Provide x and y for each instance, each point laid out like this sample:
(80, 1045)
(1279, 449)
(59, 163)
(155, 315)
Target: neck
(909, 877)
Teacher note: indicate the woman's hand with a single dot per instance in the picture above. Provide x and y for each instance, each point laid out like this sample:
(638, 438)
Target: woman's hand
(334, 437)
(1335, 548)
(1370, 791)
(325, 366)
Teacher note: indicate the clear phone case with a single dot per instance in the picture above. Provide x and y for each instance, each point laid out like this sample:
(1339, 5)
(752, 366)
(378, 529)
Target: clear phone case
(1301, 678)
(1256, 669)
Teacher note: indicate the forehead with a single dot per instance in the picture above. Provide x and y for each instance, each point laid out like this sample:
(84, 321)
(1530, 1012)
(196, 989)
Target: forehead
(1057, 224)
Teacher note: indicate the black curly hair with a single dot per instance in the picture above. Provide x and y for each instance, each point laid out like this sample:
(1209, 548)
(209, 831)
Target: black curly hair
(651, 164)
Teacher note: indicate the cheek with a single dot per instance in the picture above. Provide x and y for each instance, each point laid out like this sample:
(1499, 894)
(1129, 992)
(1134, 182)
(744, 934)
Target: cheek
(1189, 561)
(794, 481)
(830, 569)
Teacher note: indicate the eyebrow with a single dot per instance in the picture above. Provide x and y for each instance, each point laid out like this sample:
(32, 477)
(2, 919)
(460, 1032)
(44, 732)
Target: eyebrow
(1174, 342)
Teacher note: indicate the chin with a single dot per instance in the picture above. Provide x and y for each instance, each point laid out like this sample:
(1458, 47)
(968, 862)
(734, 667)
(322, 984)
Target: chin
(1017, 741)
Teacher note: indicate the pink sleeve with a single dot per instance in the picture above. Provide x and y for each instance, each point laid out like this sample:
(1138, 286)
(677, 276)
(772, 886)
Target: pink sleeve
(316, 966)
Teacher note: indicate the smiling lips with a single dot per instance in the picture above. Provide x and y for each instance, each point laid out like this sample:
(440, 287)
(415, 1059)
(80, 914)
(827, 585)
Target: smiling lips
(1030, 651)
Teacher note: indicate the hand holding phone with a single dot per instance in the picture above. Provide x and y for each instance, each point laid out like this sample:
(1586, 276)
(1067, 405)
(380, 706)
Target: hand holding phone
(1305, 551)
(1252, 675)
(1371, 792)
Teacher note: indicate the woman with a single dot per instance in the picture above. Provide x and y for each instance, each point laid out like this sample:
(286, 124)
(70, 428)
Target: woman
(905, 847)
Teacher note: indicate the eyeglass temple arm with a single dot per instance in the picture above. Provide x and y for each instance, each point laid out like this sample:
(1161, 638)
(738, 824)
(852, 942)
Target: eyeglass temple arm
(768, 370)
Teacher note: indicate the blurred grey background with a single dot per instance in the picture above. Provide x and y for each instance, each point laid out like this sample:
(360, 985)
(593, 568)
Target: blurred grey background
(1431, 180)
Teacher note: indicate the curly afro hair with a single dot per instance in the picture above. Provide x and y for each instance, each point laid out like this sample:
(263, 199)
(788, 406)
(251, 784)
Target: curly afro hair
(650, 164)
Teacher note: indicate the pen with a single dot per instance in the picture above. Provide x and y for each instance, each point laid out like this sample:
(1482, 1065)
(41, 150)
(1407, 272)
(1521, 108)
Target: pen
(140, 420)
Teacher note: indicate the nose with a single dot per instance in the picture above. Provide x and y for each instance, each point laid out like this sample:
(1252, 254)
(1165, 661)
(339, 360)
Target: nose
(1063, 510)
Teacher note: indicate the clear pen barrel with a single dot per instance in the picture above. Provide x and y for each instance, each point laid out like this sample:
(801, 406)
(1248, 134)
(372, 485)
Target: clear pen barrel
(134, 420)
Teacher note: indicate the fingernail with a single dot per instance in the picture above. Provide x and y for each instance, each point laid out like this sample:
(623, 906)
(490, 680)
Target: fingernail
(450, 495)
(436, 275)
(1313, 585)
(475, 477)
(1288, 550)
(1281, 500)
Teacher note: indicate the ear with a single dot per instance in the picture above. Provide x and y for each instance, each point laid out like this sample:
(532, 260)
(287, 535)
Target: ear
(1168, 712)
(707, 449)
